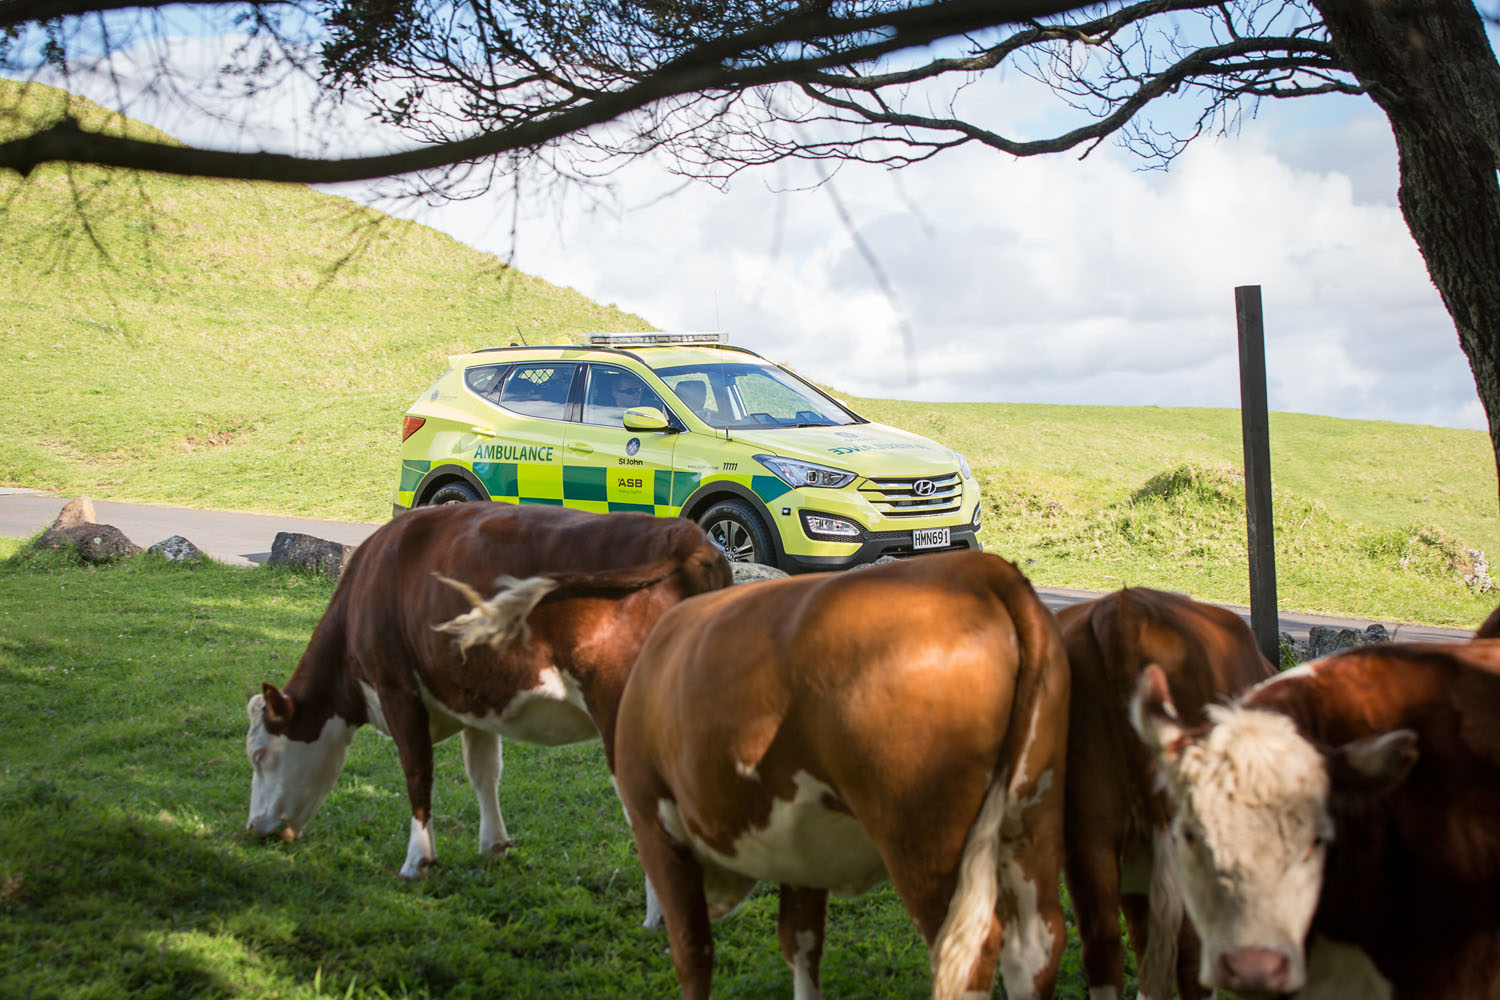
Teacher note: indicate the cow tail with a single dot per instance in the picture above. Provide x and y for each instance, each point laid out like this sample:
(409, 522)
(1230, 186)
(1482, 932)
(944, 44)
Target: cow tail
(1011, 790)
(499, 619)
(972, 908)
(1158, 967)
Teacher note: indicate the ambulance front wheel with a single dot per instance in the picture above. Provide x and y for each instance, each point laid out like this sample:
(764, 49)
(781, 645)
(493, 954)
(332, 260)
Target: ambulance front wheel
(456, 491)
(734, 527)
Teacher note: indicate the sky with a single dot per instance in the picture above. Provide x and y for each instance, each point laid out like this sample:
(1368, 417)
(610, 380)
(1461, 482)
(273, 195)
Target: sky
(1039, 280)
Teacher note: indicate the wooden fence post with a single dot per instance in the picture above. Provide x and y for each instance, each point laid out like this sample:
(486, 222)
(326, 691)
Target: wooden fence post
(1255, 427)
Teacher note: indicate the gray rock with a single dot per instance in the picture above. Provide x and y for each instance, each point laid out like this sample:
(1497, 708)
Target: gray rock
(308, 553)
(96, 543)
(1324, 640)
(747, 572)
(177, 550)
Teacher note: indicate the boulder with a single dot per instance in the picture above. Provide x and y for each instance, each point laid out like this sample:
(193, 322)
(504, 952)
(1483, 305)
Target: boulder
(748, 572)
(79, 510)
(309, 553)
(178, 550)
(96, 543)
(1325, 640)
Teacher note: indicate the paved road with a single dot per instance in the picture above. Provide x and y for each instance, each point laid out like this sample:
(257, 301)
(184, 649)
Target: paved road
(245, 540)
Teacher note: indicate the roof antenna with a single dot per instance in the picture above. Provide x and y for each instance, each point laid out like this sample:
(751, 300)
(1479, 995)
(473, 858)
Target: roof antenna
(521, 335)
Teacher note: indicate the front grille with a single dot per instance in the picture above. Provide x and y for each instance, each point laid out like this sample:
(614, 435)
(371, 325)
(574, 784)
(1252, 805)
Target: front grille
(906, 498)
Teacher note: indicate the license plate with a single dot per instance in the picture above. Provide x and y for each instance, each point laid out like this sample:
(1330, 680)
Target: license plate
(929, 538)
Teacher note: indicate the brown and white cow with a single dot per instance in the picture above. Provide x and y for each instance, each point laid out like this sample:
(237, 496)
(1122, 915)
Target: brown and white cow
(829, 731)
(409, 645)
(1338, 827)
(1117, 813)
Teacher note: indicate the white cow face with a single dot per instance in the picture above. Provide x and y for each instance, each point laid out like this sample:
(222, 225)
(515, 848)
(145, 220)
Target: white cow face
(1250, 831)
(291, 777)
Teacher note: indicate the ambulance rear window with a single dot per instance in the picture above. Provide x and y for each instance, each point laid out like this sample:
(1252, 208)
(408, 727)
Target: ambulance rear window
(486, 379)
(538, 389)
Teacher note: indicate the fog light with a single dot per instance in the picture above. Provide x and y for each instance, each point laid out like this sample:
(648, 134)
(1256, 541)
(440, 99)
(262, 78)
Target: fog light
(978, 507)
(823, 526)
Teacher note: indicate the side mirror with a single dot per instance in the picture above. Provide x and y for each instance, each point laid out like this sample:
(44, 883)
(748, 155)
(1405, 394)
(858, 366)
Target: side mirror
(645, 418)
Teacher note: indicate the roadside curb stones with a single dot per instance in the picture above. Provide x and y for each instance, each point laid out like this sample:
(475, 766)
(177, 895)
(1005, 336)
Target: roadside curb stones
(748, 572)
(309, 553)
(178, 550)
(96, 543)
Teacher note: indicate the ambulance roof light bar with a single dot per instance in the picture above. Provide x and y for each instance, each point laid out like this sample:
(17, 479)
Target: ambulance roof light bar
(644, 339)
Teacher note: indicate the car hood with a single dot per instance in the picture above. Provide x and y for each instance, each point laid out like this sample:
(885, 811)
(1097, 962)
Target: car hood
(866, 449)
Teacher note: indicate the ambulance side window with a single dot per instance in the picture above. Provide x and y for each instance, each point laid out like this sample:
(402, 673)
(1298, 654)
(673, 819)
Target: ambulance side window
(539, 389)
(612, 391)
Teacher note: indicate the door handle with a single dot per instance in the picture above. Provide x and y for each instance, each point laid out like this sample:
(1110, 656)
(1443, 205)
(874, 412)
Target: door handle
(580, 447)
(482, 431)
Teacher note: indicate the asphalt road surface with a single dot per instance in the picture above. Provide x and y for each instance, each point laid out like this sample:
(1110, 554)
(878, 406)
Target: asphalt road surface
(245, 540)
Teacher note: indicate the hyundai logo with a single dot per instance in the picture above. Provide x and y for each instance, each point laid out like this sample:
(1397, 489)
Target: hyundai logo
(924, 487)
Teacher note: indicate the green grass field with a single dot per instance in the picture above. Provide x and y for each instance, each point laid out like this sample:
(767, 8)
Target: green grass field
(125, 870)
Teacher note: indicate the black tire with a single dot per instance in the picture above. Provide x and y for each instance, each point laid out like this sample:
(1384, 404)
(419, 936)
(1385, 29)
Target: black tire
(455, 491)
(735, 528)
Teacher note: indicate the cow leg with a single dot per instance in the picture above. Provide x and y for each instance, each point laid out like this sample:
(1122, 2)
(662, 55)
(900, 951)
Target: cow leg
(1093, 877)
(653, 906)
(483, 763)
(801, 922)
(1030, 910)
(407, 720)
(678, 879)
(1188, 956)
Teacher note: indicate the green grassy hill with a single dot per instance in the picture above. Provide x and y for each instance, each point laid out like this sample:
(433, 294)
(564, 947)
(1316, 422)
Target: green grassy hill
(231, 344)
(253, 347)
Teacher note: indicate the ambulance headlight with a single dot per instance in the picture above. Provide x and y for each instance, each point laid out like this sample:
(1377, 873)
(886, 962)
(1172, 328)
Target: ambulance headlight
(963, 466)
(795, 473)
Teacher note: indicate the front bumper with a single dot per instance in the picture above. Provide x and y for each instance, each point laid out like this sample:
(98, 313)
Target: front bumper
(875, 546)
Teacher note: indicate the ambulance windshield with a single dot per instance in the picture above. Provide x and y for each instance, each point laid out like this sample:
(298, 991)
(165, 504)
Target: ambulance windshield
(739, 396)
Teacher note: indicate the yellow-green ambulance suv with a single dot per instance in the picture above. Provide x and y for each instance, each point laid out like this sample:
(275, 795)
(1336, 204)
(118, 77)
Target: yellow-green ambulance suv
(775, 470)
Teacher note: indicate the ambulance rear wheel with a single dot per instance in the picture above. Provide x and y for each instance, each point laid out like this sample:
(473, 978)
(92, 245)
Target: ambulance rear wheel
(456, 491)
(734, 527)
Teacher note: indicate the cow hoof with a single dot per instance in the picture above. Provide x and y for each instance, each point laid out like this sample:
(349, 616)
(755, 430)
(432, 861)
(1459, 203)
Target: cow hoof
(501, 848)
(419, 870)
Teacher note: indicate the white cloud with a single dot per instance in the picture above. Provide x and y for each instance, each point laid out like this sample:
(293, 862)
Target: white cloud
(1045, 279)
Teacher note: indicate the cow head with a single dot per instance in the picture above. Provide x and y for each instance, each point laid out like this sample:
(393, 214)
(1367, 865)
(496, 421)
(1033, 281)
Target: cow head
(1253, 817)
(291, 776)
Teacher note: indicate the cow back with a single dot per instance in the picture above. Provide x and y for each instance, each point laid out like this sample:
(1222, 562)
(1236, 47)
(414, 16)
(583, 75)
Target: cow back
(1207, 653)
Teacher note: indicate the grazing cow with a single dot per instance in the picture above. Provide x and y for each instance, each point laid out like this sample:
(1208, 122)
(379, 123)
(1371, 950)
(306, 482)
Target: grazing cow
(831, 730)
(1117, 812)
(409, 645)
(1337, 828)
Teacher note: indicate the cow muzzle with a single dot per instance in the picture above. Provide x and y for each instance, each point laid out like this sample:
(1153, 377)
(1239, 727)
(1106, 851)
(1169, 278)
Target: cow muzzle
(265, 827)
(1257, 972)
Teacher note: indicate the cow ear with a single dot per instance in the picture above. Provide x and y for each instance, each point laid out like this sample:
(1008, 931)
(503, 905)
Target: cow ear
(279, 707)
(1367, 769)
(1155, 717)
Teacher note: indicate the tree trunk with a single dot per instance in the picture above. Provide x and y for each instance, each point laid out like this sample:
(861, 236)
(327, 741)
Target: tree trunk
(1430, 68)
